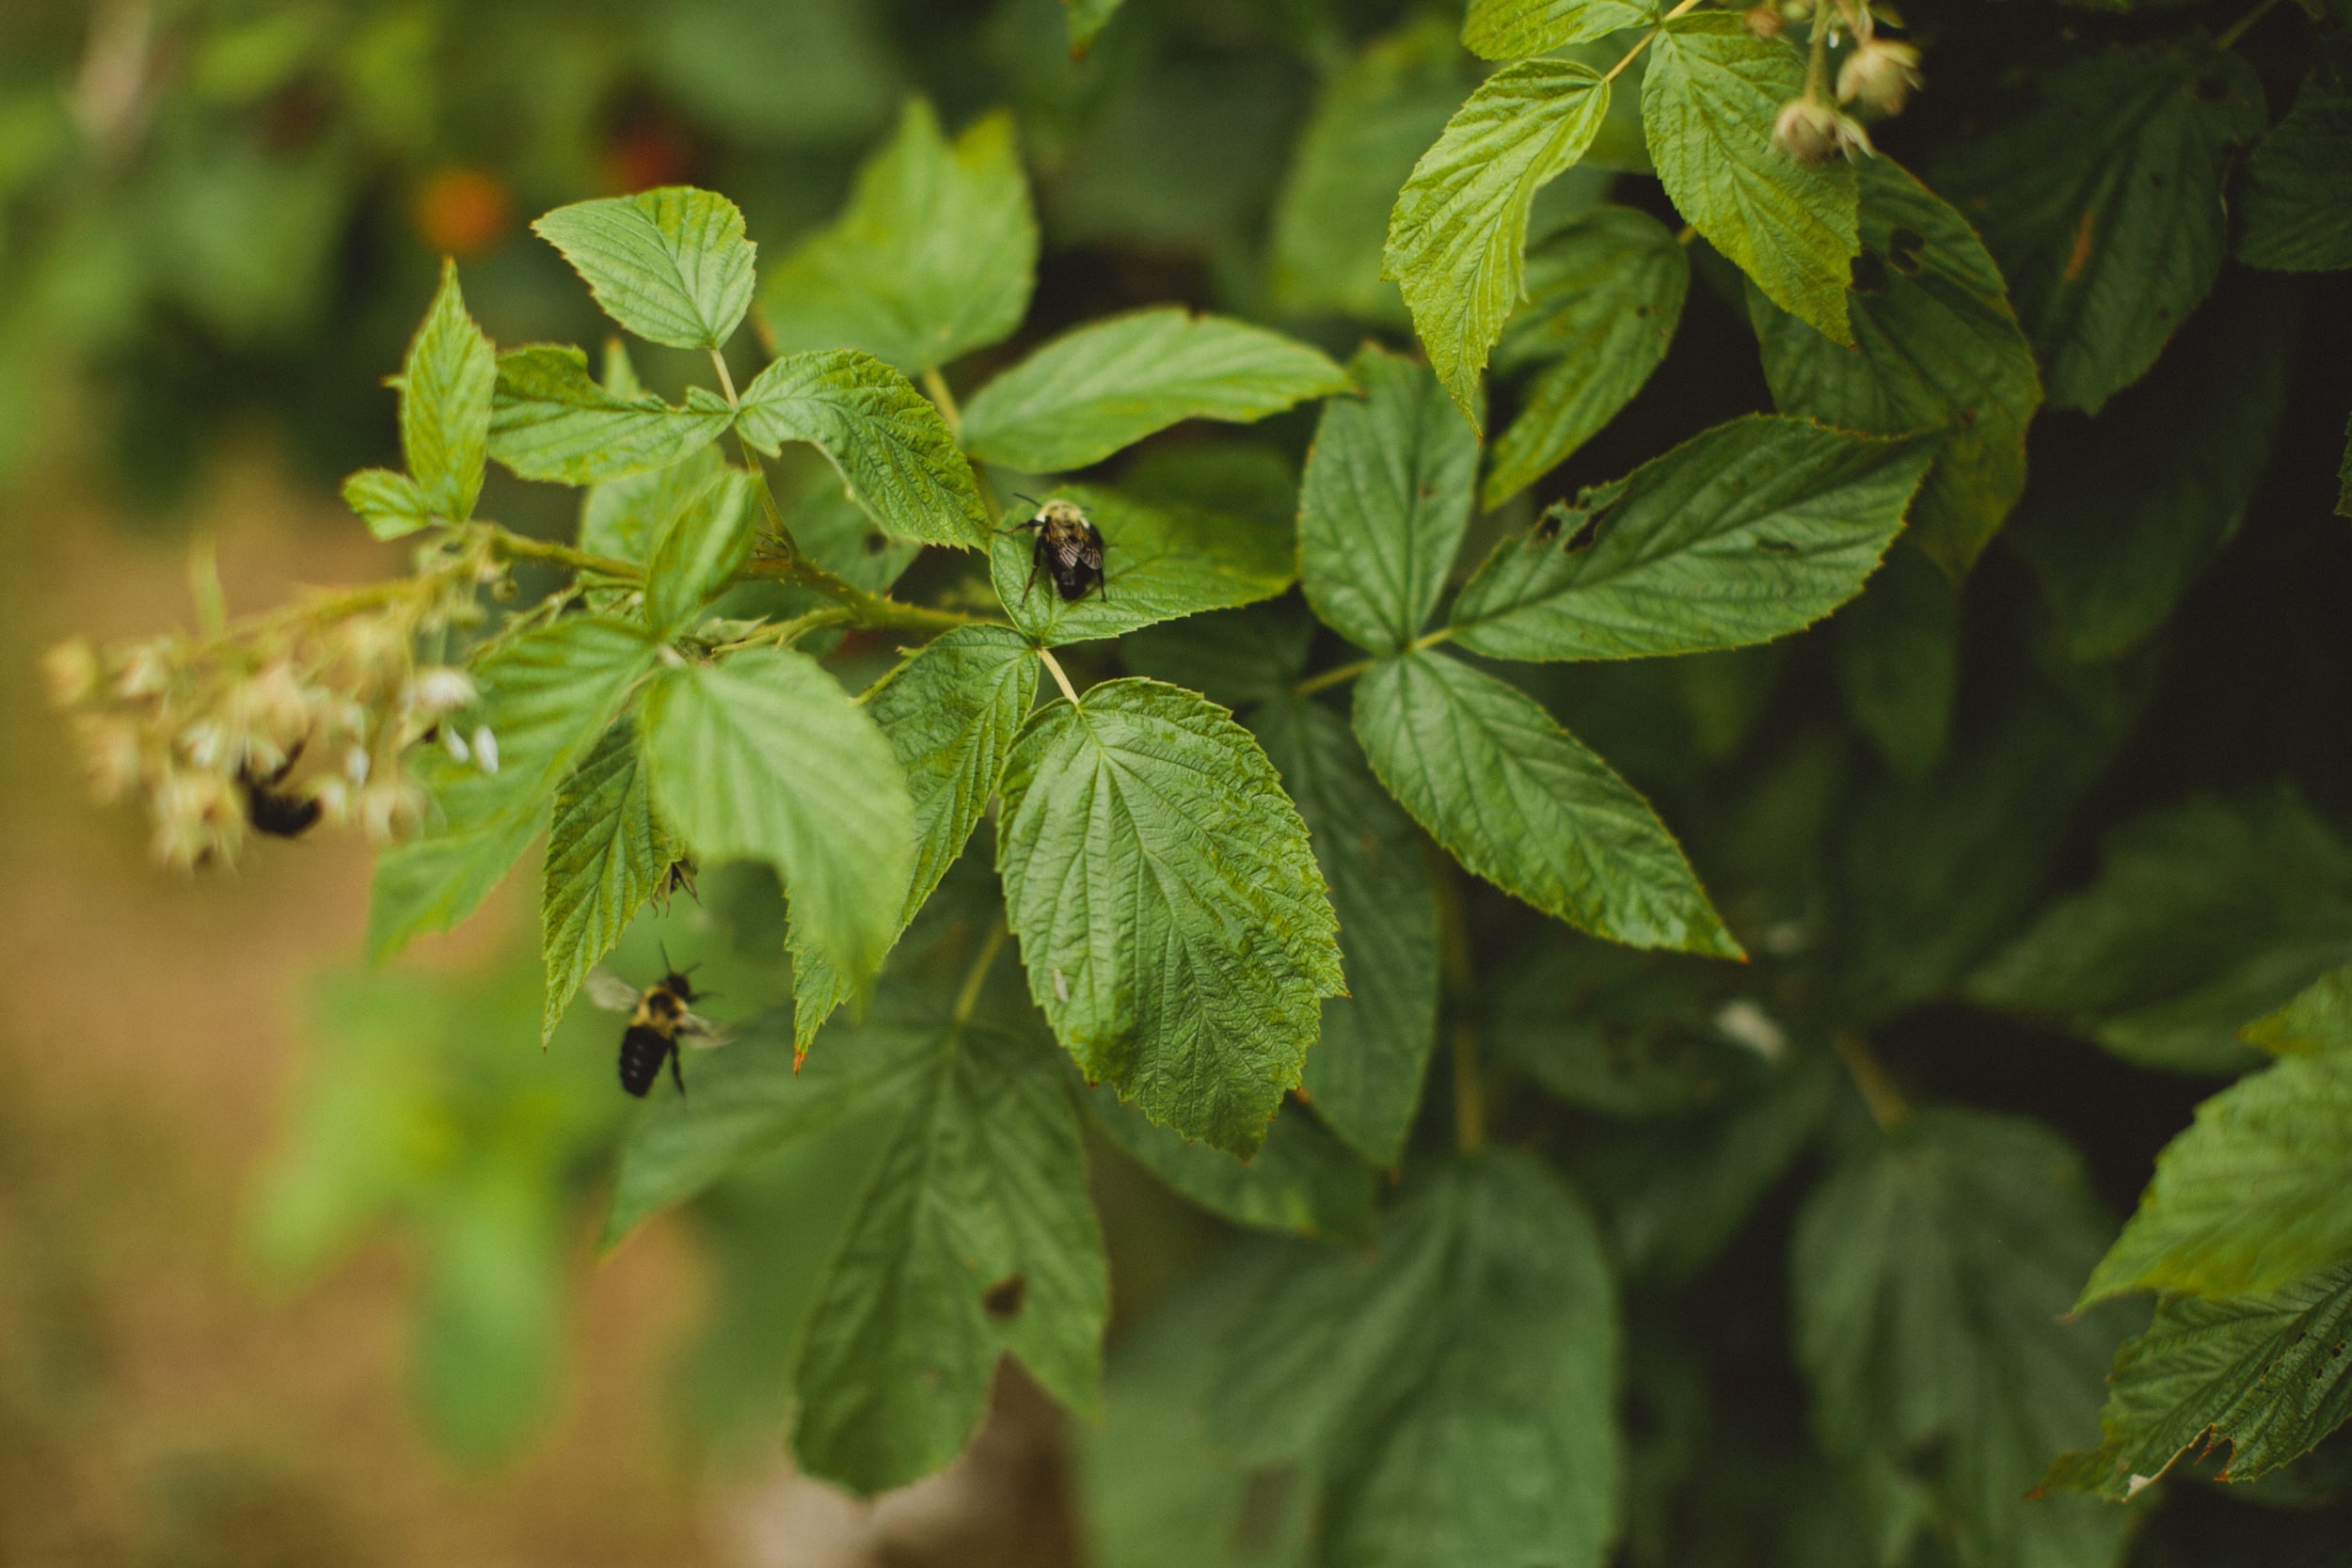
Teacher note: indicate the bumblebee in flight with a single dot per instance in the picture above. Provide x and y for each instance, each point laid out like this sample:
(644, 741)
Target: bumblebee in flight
(660, 1017)
(1069, 550)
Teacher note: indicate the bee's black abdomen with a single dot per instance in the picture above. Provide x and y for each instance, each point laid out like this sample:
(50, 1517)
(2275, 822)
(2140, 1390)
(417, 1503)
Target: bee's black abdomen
(642, 1051)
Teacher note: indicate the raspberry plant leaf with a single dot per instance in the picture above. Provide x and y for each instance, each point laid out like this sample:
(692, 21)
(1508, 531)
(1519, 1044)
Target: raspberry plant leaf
(2298, 185)
(551, 422)
(1158, 563)
(1511, 29)
(1302, 1178)
(445, 390)
(607, 854)
(704, 544)
(671, 265)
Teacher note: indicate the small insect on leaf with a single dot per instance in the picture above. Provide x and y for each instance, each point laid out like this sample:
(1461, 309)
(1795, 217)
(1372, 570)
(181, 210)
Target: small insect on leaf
(1069, 550)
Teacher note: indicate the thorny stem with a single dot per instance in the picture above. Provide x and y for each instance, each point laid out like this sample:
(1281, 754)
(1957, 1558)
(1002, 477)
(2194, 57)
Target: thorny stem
(1887, 1106)
(1461, 987)
(1054, 667)
(784, 634)
(2238, 29)
(509, 546)
(1644, 42)
(1341, 675)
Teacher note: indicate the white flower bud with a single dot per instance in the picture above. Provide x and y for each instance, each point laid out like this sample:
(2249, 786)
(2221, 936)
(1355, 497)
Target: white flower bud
(485, 749)
(70, 671)
(1763, 22)
(440, 690)
(357, 761)
(454, 744)
(1814, 133)
(1880, 74)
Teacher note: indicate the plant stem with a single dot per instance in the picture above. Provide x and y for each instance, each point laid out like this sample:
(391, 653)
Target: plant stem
(212, 605)
(968, 999)
(1340, 674)
(509, 546)
(1054, 667)
(936, 384)
(1460, 975)
(1888, 1107)
(784, 634)
(1644, 43)
(727, 382)
(2238, 29)
(1816, 59)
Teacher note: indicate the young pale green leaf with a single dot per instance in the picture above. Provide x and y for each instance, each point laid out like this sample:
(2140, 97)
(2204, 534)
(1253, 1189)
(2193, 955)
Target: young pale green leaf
(1457, 237)
(1449, 1395)
(551, 422)
(1931, 1273)
(607, 854)
(1936, 346)
(2123, 517)
(1301, 1179)
(1604, 296)
(764, 757)
(1752, 531)
(2265, 1375)
(2298, 185)
(547, 696)
(1373, 119)
(1384, 502)
(1109, 384)
(1085, 20)
(2250, 1199)
(391, 504)
(1898, 659)
(1511, 29)
(950, 714)
(1172, 918)
(1708, 104)
(671, 265)
(2103, 204)
(934, 255)
(1364, 1075)
(2202, 916)
(889, 441)
(973, 1237)
(1518, 800)
(704, 544)
(445, 389)
(1158, 563)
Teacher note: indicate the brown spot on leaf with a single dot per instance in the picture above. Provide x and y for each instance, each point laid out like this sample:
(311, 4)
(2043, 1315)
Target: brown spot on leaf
(2081, 256)
(1003, 1299)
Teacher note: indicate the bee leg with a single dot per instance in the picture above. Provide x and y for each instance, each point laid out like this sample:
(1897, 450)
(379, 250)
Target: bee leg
(676, 1076)
(1034, 564)
(1102, 587)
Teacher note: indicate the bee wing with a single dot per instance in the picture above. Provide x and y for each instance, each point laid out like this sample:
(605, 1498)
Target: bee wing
(611, 992)
(699, 1031)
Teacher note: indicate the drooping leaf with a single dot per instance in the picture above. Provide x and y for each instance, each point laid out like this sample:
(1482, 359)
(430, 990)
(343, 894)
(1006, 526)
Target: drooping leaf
(1364, 1075)
(1457, 237)
(765, 757)
(1158, 563)
(1384, 502)
(704, 544)
(1518, 800)
(2103, 204)
(1752, 531)
(671, 265)
(1302, 1178)
(1604, 296)
(2202, 916)
(1510, 29)
(1935, 347)
(888, 440)
(934, 255)
(1171, 917)
(1898, 659)
(1931, 1272)
(551, 422)
(547, 696)
(2265, 1375)
(1110, 383)
(950, 714)
(1708, 104)
(391, 505)
(1449, 1396)
(607, 854)
(2298, 185)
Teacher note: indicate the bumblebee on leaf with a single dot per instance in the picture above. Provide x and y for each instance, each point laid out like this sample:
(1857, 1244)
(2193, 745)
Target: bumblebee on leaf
(1069, 550)
(660, 1017)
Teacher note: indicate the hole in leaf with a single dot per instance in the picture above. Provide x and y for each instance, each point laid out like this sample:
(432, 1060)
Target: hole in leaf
(1003, 1299)
(875, 544)
(1868, 275)
(1906, 249)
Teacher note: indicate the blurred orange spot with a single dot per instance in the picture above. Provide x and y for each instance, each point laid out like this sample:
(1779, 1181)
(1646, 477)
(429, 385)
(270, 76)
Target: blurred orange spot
(645, 156)
(460, 211)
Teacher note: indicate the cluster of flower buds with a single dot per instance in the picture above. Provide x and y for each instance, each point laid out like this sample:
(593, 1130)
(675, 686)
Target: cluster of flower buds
(303, 715)
(1877, 76)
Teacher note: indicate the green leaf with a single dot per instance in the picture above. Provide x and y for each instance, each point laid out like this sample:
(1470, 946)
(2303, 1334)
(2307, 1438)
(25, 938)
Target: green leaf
(1085, 20)
(1752, 531)
(934, 255)
(973, 1237)
(1508, 29)
(2264, 1374)
(764, 757)
(1516, 800)
(1459, 233)
(2298, 185)
(1450, 1393)
(2124, 514)
(1384, 502)
(1938, 349)
(706, 543)
(671, 265)
(2202, 916)
(1604, 296)
(1708, 104)
(1110, 383)
(547, 696)
(1931, 1273)
(607, 854)
(1364, 1075)
(893, 449)
(1301, 1179)
(2318, 1020)
(2343, 476)
(1898, 659)
(391, 505)
(2103, 204)
(1158, 563)
(950, 714)
(1233, 657)
(2250, 1199)
(445, 389)
(551, 422)
(1372, 120)
(1172, 918)
(834, 532)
